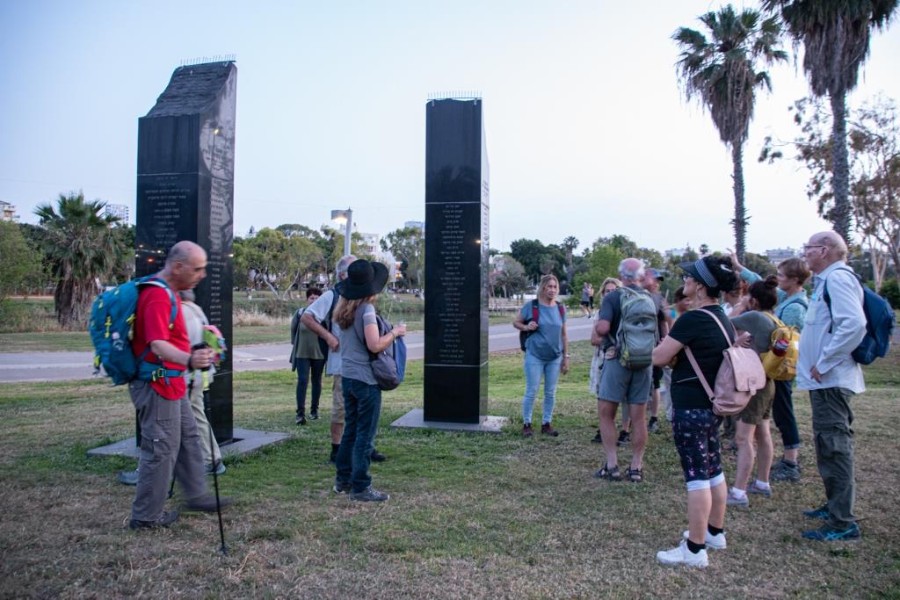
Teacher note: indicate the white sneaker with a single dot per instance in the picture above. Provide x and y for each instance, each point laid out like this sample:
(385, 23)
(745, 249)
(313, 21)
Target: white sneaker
(680, 555)
(713, 542)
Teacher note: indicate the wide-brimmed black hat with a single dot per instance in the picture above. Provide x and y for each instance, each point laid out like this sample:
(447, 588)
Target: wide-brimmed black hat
(364, 279)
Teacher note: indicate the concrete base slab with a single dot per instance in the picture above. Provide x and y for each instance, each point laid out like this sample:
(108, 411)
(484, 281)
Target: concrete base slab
(416, 419)
(245, 442)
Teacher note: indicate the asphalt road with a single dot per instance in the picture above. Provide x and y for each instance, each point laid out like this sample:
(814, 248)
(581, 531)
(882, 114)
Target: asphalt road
(63, 366)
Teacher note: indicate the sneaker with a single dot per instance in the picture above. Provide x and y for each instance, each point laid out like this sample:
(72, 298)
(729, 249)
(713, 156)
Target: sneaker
(820, 513)
(653, 425)
(377, 456)
(829, 533)
(624, 438)
(300, 420)
(128, 477)
(713, 542)
(547, 429)
(369, 494)
(219, 468)
(733, 500)
(680, 555)
(526, 430)
(597, 439)
(341, 487)
(314, 415)
(168, 517)
(782, 471)
(755, 489)
(207, 503)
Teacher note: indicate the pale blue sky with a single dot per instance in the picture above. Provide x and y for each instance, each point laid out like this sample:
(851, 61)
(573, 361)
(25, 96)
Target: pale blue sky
(587, 133)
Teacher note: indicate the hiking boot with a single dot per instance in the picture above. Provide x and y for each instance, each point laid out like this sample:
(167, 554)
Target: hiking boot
(782, 471)
(526, 430)
(735, 500)
(713, 542)
(680, 555)
(341, 487)
(820, 513)
(314, 415)
(377, 456)
(547, 429)
(597, 439)
(300, 420)
(369, 494)
(624, 438)
(168, 517)
(830, 533)
(755, 489)
(219, 468)
(207, 503)
(653, 425)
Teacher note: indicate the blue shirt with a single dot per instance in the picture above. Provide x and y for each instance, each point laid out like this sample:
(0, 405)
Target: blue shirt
(545, 342)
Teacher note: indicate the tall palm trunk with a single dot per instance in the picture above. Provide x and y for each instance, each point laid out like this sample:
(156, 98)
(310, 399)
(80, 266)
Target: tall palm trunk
(740, 212)
(840, 176)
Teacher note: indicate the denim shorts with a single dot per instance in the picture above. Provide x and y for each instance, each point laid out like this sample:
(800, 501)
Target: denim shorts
(696, 434)
(622, 385)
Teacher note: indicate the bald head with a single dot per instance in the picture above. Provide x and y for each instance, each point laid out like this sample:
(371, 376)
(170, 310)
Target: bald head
(823, 249)
(185, 266)
(183, 251)
(631, 270)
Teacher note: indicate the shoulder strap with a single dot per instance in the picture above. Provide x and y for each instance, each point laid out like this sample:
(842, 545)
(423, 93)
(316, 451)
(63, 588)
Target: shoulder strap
(535, 311)
(562, 310)
(827, 298)
(693, 361)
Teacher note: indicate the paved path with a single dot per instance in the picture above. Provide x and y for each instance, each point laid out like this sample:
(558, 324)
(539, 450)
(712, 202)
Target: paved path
(62, 366)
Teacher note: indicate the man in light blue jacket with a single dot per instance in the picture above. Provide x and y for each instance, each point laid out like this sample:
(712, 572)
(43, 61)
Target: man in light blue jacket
(835, 325)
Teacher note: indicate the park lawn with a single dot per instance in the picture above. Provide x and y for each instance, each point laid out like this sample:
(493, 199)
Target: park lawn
(471, 516)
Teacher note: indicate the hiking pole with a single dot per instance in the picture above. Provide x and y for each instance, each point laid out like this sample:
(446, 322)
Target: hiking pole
(215, 463)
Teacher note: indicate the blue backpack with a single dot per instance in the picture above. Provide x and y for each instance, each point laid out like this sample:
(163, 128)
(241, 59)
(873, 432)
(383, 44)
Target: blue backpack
(880, 321)
(112, 328)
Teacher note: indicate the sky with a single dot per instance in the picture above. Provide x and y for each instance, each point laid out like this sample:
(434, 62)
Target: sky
(587, 131)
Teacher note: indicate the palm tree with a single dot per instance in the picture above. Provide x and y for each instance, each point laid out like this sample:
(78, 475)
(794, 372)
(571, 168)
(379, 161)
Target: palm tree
(82, 249)
(722, 73)
(835, 36)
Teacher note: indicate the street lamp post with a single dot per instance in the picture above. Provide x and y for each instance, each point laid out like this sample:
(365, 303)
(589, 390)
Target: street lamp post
(344, 217)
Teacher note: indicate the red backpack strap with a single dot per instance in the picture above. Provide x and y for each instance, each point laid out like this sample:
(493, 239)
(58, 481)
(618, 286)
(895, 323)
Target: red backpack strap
(534, 310)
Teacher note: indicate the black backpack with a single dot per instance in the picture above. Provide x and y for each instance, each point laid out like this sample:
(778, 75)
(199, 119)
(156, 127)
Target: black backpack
(535, 312)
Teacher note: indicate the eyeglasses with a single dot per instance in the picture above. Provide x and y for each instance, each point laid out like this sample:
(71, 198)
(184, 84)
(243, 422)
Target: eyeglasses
(808, 246)
(686, 276)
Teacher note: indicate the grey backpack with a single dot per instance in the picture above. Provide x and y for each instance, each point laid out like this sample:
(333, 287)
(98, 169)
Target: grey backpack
(638, 331)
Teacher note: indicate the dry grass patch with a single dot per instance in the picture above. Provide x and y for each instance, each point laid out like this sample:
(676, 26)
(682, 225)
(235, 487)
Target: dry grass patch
(470, 516)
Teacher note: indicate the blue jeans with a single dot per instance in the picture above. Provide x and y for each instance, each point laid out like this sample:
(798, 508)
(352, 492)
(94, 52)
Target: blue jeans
(362, 407)
(535, 368)
(304, 366)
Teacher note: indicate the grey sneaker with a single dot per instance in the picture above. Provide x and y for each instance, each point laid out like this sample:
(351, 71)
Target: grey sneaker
(653, 425)
(754, 489)
(785, 472)
(369, 494)
(733, 500)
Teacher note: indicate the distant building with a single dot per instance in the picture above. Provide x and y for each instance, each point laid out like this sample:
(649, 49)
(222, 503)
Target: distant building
(676, 252)
(370, 243)
(420, 225)
(119, 211)
(780, 254)
(8, 212)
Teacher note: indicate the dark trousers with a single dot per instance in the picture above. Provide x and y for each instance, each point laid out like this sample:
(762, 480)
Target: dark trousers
(783, 415)
(362, 408)
(832, 417)
(304, 367)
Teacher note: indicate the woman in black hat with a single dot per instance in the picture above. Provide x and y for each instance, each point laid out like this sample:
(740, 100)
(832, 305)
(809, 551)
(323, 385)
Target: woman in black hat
(695, 427)
(362, 396)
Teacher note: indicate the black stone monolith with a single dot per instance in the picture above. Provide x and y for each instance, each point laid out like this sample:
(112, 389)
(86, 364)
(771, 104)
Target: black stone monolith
(456, 262)
(185, 191)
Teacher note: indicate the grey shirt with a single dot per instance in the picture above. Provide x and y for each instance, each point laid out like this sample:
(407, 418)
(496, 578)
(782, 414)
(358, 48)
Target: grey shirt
(760, 327)
(354, 352)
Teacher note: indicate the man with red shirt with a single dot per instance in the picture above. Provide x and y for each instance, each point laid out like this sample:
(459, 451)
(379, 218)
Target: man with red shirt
(169, 438)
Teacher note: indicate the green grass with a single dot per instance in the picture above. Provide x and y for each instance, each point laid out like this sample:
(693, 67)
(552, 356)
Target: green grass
(471, 516)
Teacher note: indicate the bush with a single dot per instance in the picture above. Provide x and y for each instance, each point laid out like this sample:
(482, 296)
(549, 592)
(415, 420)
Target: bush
(890, 289)
(19, 316)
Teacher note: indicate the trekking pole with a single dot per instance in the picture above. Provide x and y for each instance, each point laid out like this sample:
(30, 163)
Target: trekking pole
(215, 463)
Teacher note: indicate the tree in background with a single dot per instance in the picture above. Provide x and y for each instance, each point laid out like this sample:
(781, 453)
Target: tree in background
(538, 259)
(835, 37)
(407, 244)
(723, 73)
(18, 260)
(280, 262)
(82, 249)
(507, 277)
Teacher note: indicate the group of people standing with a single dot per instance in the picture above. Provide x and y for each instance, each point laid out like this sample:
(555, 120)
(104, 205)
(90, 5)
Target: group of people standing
(832, 323)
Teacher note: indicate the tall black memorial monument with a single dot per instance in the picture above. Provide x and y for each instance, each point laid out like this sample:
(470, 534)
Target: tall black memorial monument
(185, 191)
(456, 262)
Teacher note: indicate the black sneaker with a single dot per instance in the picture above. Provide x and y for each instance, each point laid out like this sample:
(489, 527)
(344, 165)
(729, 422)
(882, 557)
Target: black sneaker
(597, 439)
(624, 438)
(168, 517)
(300, 420)
(653, 425)
(820, 513)
(314, 415)
(377, 456)
(526, 430)
(829, 533)
(369, 494)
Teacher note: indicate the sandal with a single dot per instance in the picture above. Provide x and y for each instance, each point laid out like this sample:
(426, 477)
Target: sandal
(610, 474)
(635, 475)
